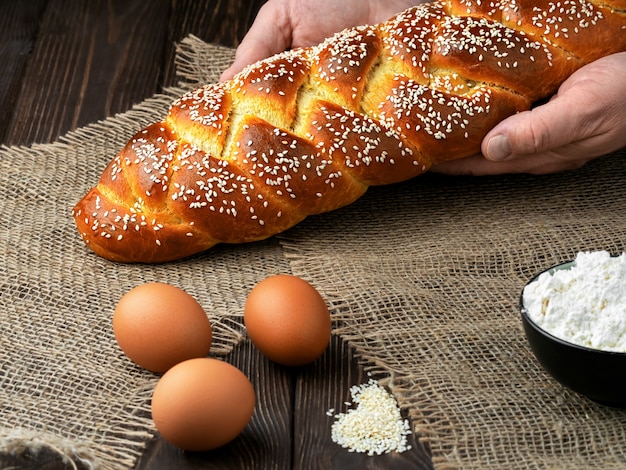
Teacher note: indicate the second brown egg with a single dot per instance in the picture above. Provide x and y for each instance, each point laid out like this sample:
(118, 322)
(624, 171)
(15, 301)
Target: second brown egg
(288, 320)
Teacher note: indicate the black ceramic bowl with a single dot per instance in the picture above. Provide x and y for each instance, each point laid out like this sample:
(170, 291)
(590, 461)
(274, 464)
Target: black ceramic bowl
(598, 375)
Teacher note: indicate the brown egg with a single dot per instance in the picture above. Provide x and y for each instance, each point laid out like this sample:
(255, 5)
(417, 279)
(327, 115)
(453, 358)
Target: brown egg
(158, 325)
(202, 404)
(287, 320)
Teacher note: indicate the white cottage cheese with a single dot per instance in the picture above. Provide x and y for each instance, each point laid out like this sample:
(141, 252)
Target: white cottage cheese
(584, 305)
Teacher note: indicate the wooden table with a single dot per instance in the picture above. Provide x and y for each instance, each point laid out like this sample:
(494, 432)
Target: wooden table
(68, 63)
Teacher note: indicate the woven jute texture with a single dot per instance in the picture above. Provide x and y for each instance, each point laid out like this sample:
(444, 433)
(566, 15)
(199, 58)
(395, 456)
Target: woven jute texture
(422, 278)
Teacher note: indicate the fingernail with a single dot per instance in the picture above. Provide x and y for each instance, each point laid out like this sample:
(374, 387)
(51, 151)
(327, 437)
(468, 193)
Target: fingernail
(499, 148)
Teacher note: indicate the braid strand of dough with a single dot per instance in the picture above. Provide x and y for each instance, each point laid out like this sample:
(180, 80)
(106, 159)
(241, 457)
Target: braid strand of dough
(309, 130)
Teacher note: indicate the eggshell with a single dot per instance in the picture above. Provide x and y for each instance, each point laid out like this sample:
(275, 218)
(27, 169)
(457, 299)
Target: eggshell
(202, 404)
(287, 319)
(158, 325)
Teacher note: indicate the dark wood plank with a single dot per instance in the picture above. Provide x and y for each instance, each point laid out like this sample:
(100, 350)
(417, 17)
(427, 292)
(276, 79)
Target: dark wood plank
(90, 60)
(323, 386)
(262, 444)
(222, 22)
(19, 24)
(290, 428)
(93, 59)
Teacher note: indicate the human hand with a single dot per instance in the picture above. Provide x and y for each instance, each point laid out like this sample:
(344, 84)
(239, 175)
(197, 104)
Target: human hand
(584, 120)
(289, 24)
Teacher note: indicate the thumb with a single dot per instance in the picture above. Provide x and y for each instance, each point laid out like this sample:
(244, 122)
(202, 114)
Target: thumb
(269, 34)
(541, 129)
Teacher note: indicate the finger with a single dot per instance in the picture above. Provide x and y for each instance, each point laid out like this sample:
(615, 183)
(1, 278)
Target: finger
(269, 34)
(542, 129)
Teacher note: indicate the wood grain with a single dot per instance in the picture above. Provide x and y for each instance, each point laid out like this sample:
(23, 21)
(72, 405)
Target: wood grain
(222, 22)
(90, 60)
(262, 443)
(290, 428)
(19, 23)
(324, 386)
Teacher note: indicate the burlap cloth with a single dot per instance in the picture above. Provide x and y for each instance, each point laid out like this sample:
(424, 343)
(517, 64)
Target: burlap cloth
(423, 280)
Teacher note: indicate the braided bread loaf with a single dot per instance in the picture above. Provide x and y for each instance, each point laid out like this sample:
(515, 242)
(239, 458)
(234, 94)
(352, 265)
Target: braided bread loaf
(307, 131)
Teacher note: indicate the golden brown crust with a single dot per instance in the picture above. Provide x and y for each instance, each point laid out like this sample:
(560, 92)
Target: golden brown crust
(308, 131)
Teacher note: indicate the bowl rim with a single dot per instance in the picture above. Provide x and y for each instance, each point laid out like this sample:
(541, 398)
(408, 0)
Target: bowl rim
(526, 317)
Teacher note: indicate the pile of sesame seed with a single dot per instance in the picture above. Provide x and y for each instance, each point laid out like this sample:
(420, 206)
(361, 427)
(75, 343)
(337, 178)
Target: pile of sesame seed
(375, 426)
